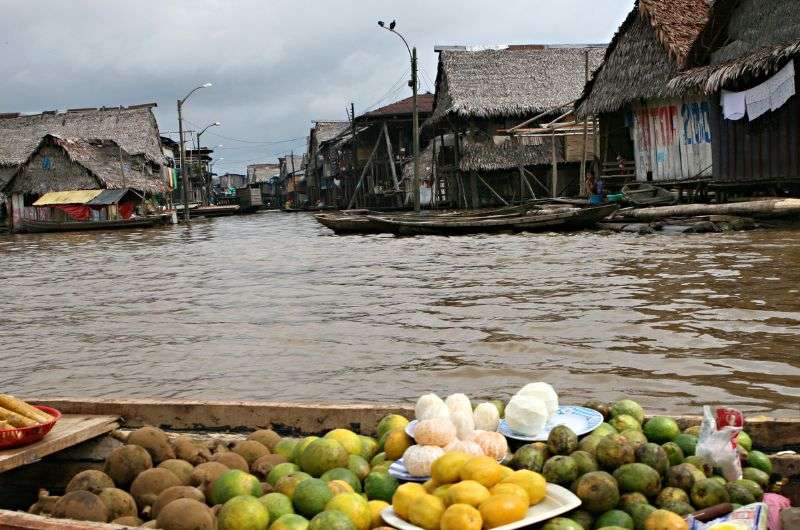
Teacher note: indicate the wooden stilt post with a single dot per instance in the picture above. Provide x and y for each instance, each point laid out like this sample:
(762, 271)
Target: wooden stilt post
(389, 151)
(364, 173)
(554, 184)
(582, 183)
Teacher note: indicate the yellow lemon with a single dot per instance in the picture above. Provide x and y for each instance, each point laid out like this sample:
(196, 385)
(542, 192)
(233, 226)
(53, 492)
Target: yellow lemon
(505, 472)
(482, 469)
(404, 495)
(446, 469)
(340, 486)
(461, 517)
(498, 510)
(532, 482)
(665, 520)
(442, 490)
(396, 443)
(375, 510)
(430, 485)
(511, 489)
(354, 506)
(426, 512)
(467, 492)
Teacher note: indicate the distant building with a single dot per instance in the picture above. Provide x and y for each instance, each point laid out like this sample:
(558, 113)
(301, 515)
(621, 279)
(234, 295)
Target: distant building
(232, 180)
(320, 169)
(52, 184)
(480, 95)
(267, 177)
(293, 180)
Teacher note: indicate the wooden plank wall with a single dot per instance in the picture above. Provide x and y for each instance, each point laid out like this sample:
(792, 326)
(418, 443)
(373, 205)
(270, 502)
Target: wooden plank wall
(672, 139)
(767, 149)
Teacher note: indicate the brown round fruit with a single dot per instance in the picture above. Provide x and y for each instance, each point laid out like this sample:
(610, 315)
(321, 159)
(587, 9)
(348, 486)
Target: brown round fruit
(174, 493)
(264, 465)
(232, 460)
(90, 480)
(119, 503)
(187, 449)
(250, 450)
(128, 521)
(266, 437)
(155, 441)
(186, 514)
(148, 485)
(81, 505)
(125, 463)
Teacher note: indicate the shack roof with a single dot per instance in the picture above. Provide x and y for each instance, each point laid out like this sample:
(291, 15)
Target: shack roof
(743, 41)
(325, 131)
(510, 83)
(488, 156)
(404, 107)
(134, 128)
(104, 159)
(647, 51)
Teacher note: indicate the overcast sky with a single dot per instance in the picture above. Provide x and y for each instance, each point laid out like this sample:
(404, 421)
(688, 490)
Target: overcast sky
(276, 65)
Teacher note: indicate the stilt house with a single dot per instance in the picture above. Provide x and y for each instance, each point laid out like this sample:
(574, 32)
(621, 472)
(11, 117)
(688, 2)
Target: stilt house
(480, 96)
(745, 63)
(320, 168)
(647, 133)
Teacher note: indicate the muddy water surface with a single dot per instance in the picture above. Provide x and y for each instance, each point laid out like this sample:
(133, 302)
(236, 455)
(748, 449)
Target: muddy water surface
(273, 306)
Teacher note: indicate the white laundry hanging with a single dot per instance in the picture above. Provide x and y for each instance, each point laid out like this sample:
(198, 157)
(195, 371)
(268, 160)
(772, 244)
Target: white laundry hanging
(734, 105)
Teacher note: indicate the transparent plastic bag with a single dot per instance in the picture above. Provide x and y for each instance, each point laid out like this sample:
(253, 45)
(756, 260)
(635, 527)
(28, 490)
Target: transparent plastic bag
(718, 445)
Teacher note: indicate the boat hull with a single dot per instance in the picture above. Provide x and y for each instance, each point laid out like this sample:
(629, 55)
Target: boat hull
(32, 226)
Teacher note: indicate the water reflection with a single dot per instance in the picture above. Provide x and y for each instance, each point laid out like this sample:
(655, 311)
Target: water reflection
(273, 306)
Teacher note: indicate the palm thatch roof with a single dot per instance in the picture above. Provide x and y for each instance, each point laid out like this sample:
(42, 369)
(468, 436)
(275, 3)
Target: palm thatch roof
(325, 131)
(645, 54)
(425, 165)
(516, 82)
(488, 156)
(745, 40)
(134, 128)
(108, 165)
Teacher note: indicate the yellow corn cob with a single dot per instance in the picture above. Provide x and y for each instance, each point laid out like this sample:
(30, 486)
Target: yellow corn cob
(17, 420)
(20, 407)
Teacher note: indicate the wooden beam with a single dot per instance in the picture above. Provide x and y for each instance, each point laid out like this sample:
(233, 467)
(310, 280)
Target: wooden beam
(391, 164)
(363, 173)
(491, 189)
(473, 189)
(554, 160)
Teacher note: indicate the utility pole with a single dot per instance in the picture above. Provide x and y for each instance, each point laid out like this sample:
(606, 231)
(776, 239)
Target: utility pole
(354, 144)
(582, 185)
(417, 205)
(294, 182)
(184, 173)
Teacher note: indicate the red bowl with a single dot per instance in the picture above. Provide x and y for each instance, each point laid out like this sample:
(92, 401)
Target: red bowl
(28, 435)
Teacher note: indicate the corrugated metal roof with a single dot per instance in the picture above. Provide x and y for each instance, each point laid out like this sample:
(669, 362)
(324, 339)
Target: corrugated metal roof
(67, 197)
(109, 197)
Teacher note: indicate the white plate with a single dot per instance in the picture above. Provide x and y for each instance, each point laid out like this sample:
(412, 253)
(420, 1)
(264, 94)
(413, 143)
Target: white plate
(410, 427)
(581, 420)
(398, 470)
(558, 501)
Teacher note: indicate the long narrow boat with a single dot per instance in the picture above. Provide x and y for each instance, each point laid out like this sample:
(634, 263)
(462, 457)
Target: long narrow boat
(34, 226)
(559, 219)
(644, 194)
(348, 223)
(212, 422)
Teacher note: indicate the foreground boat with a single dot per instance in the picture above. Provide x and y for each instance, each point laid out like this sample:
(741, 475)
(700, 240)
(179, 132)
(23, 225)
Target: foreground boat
(34, 226)
(542, 220)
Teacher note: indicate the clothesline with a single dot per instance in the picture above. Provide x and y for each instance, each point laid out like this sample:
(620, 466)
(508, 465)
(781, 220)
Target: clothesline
(772, 94)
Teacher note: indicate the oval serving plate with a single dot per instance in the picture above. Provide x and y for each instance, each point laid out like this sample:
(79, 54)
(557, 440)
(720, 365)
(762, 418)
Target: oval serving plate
(581, 420)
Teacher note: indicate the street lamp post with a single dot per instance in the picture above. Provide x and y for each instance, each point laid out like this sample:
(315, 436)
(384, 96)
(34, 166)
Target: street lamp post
(414, 86)
(184, 173)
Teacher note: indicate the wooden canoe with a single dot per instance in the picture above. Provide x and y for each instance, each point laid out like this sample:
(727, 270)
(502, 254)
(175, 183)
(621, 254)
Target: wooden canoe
(544, 220)
(644, 194)
(217, 420)
(34, 226)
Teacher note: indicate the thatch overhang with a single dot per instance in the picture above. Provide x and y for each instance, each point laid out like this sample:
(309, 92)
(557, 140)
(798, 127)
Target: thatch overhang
(648, 50)
(111, 166)
(488, 156)
(325, 131)
(134, 128)
(744, 41)
(517, 82)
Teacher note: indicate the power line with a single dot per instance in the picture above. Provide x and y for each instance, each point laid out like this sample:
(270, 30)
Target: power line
(397, 85)
(262, 142)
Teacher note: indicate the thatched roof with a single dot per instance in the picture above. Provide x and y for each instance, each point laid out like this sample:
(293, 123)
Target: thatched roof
(511, 83)
(100, 158)
(487, 156)
(744, 41)
(425, 164)
(325, 131)
(645, 54)
(134, 128)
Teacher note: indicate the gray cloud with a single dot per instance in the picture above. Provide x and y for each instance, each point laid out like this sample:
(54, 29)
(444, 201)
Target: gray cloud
(276, 65)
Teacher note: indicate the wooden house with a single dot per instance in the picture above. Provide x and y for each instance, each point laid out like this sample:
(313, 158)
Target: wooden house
(80, 179)
(322, 162)
(746, 57)
(293, 181)
(646, 132)
(266, 178)
(481, 95)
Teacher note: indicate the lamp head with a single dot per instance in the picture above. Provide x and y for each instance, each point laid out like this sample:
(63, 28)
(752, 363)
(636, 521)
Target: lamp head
(217, 123)
(208, 85)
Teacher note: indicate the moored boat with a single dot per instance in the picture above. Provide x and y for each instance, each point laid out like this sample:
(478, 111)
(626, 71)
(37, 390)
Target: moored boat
(35, 226)
(540, 220)
(351, 223)
(644, 194)
(211, 423)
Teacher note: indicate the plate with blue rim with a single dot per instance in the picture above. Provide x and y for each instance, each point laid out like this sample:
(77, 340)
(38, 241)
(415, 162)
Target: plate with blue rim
(398, 470)
(581, 420)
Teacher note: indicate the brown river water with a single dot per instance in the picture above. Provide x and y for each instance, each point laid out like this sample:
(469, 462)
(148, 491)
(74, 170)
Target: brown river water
(275, 307)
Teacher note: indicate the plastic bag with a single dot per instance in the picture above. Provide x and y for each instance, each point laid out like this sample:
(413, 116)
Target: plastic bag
(719, 445)
(750, 517)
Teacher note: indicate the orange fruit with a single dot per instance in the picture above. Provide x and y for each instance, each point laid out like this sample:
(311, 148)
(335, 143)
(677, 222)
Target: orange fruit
(375, 510)
(461, 517)
(467, 492)
(442, 490)
(430, 485)
(532, 482)
(482, 469)
(396, 443)
(404, 495)
(498, 510)
(511, 489)
(446, 469)
(426, 512)
(665, 520)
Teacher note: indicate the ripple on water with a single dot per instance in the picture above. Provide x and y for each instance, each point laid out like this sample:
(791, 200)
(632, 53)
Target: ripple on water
(273, 306)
